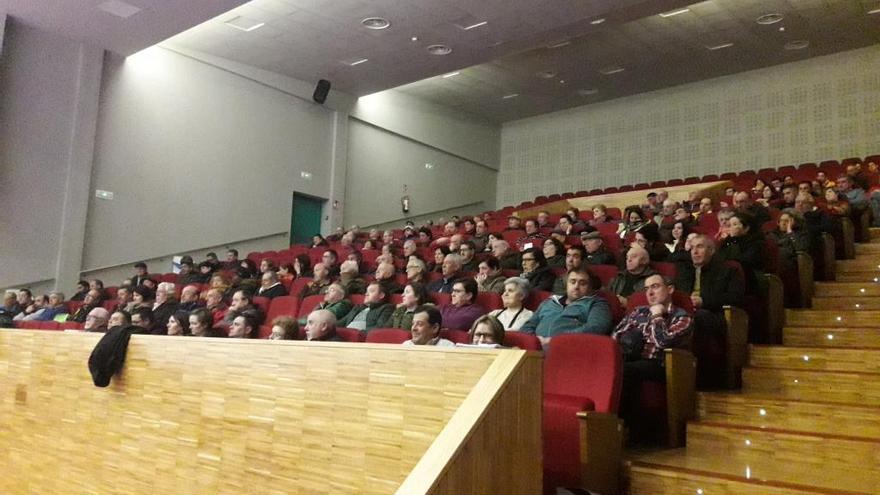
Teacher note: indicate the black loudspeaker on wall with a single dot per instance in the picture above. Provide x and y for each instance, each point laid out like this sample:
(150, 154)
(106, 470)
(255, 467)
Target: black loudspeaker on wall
(321, 91)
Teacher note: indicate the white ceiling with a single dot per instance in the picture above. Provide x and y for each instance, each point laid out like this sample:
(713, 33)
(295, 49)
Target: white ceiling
(314, 39)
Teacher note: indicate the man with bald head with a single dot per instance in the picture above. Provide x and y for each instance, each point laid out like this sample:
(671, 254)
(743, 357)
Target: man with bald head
(321, 326)
(189, 298)
(632, 279)
(96, 320)
(319, 283)
(508, 259)
(385, 275)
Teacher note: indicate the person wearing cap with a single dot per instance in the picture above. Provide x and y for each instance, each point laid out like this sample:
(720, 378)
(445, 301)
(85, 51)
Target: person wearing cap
(141, 274)
(595, 252)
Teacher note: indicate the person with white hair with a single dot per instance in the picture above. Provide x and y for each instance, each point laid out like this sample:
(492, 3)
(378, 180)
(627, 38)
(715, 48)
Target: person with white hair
(514, 314)
(96, 320)
(164, 306)
(451, 271)
(350, 279)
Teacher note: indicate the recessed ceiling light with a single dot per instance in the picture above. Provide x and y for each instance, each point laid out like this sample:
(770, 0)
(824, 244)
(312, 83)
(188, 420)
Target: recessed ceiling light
(414, 38)
(598, 21)
(782, 28)
(119, 8)
(451, 74)
(244, 24)
(358, 61)
(375, 23)
(719, 47)
(511, 95)
(674, 12)
(562, 81)
(768, 19)
(797, 45)
(587, 91)
(558, 44)
(439, 50)
(611, 70)
(546, 74)
(473, 26)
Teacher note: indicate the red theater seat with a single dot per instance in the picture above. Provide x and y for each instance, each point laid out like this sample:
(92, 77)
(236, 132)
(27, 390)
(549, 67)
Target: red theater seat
(262, 303)
(522, 340)
(282, 306)
(350, 334)
(489, 300)
(308, 304)
(387, 336)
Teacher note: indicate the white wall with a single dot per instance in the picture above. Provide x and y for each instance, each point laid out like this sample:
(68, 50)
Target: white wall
(822, 108)
(197, 156)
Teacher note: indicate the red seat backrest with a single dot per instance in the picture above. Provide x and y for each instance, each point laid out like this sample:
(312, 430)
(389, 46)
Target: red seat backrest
(297, 286)
(617, 310)
(110, 292)
(282, 306)
(387, 336)
(440, 299)
(350, 334)
(489, 300)
(522, 340)
(264, 332)
(46, 325)
(585, 365)
(668, 270)
(70, 325)
(608, 228)
(604, 272)
(262, 303)
(536, 297)
(395, 299)
(308, 304)
(457, 336)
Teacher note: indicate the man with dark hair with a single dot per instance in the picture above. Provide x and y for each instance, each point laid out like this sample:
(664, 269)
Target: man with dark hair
(331, 261)
(374, 311)
(92, 301)
(533, 236)
(513, 223)
(461, 313)
(214, 261)
(574, 258)
(270, 286)
(245, 325)
(426, 325)
(232, 260)
(188, 274)
(489, 277)
(241, 301)
(141, 274)
(788, 195)
(595, 252)
(143, 317)
(469, 263)
(652, 205)
(119, 318)
(744, 204)
(580, 310)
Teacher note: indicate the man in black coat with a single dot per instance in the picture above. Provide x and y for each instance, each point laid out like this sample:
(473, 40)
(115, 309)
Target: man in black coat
(271, 287)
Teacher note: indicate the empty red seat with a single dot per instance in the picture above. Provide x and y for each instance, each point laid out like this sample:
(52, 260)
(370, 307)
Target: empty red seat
(387, 336)
(297, 286)
(668, 270)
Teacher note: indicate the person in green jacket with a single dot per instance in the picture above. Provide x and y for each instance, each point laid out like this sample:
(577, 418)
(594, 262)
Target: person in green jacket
(335, 301)
(580, 310)
(414, 295)
(372, 313)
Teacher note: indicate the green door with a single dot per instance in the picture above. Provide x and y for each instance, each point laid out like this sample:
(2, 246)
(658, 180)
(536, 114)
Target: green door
(305, 218)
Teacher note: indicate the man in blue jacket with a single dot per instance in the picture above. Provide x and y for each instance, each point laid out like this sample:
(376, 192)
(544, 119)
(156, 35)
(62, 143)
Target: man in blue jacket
(580, 310)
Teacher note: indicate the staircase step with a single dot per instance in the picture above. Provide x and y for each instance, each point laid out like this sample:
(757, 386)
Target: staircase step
(831, 337)
(823, 460)
(832, 318)
(868, 248)
(823, 386)
(855, 303)
(875, 233)
(862, 263)
(815, 358)
(680, 472)
(801, 416)
(858, 277)
(846, 289)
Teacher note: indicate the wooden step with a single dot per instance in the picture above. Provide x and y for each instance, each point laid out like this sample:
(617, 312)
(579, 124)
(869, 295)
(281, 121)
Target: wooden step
(875, 233)
(865, 263)
(855, 303)
(679, 472)
(823, 386)
(868, 248)
(832, 318)
(844, 289)
(816, 459)
(801, 416)
(831, 337)
(815, 358)
(858, 277)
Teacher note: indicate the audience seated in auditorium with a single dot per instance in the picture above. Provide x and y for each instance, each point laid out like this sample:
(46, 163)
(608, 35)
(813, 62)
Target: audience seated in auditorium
(643, 335)
(96, 320)
(532, 237)
(284, 328)
(554, 253)
(580, 310)
(414, 295)
(451, 271)
(319, 284)
(53, 307)
(507, 258)
(321, 326)
(241, 301)
(426, 324)
(30, 312)
(535, 270)
(270, 286)
(201, 324)
(178, 323)
(486, 331)
(791, 237)
(440, 253)
(600, 216)
(92, 301)
(374, 312)
(744, 244)
(245, 325)
(744, 204)
(335, 301)
(513, 315)
(463, 310)
(632, 278)
(711, 283)
(164, 306)
(633, 219)
(595, 252)
(141, 274)
(82, 287)
(119, 318)
(489, 277)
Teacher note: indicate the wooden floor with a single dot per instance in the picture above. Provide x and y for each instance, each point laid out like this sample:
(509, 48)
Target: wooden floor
(807, 419)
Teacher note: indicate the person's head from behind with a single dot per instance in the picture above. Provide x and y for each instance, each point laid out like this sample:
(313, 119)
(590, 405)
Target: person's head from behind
(516, 290)
(658, 290)
(200, 322)
(335, 293)
(97, 319)
(319, 324)
(426, 324)
(178, 323)
(464, 292)
(487, 330)
(581, 283)
(702, 250)
(245, 325)
(119, 318)
(142, 317)
(284, 328)
(637, 259)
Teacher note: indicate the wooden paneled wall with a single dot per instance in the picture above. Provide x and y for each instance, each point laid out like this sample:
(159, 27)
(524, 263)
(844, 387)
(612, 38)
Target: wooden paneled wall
(228, 416)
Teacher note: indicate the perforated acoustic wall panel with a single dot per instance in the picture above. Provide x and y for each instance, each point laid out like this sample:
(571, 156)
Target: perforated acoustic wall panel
(818, 109)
